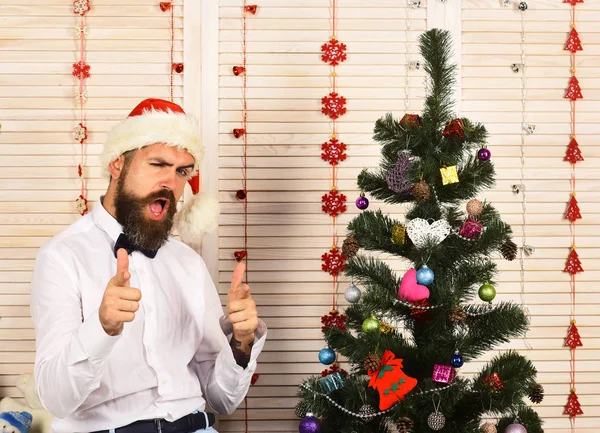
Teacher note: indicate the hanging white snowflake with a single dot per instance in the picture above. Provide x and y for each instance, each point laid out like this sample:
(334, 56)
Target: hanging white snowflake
(79, 30)
(81, 96)
(82, 206)
(80, 133)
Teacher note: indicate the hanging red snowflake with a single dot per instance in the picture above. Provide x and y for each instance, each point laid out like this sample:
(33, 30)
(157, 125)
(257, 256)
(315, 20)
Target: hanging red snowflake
(334, 368)
(573, 265)
(333, 52)
(334, 319)
(573, 42)
(573, 152)
(573, 408)
(81, 133)
(333, 151)
(573, 339)
(333, 262)
(573, 91)
(82, 205)
(333, 105)
(573, 2)
(81, 70)
(573, 210)
(333, 203)
(81, 7)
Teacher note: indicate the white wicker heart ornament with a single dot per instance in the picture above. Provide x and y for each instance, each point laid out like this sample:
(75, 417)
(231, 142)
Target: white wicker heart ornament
(422, 233)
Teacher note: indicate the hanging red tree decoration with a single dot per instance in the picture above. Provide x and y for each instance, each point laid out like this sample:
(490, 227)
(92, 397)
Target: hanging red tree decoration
(573, 408)
(573, 91)
(573, 155)
(573, 43)
(573, 263)
(573, 152)
(334, 105)
(573, 213)
(573, 339)
(333, 52)
(333, 151)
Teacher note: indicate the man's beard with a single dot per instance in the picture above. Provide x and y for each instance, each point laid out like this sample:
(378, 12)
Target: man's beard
(132, 213)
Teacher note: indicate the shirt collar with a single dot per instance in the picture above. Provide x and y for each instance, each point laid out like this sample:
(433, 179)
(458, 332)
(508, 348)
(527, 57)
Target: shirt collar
(106, 221)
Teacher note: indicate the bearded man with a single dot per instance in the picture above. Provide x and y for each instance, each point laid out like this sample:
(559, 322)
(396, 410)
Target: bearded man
(131, 336)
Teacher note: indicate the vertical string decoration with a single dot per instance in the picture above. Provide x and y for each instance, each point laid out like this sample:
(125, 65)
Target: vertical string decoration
(81, 71)
(573, 265)
(242, 194)
(526, 129)
(333, 52)
(173, 67)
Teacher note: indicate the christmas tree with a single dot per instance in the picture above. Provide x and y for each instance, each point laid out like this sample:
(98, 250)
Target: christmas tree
(406, 335)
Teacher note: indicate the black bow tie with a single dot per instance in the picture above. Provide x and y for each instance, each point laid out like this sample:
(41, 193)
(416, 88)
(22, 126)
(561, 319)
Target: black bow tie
(123, 242)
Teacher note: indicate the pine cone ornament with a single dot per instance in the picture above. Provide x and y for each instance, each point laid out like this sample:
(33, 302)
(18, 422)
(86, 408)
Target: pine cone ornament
(405, 425)
(372, 362)
(457, 315)
(509, 250)
(421, 191)
(537, 394)
(350, 247)
(301, 409)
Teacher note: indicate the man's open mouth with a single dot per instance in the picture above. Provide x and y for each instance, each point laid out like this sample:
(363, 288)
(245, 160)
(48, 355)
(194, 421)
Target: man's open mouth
(158, 208)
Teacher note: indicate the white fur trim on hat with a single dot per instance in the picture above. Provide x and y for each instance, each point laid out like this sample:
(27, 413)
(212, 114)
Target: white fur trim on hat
(197, 217)
(152, 127)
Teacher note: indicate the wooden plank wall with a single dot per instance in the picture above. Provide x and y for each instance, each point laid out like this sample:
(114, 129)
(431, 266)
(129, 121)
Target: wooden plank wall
(128, 50)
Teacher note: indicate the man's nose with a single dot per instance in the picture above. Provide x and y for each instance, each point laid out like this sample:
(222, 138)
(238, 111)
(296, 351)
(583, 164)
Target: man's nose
(169, 180)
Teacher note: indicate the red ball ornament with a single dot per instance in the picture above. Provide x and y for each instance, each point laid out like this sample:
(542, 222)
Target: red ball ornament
(241, 194)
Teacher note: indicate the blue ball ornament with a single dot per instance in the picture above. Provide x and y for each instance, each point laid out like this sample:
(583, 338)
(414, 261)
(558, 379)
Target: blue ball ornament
(457, 361)
(425, 276)
(326, 356)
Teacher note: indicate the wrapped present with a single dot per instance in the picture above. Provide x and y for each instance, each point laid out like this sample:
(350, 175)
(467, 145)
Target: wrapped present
(493, 381)
(332, 382)
(443, 373)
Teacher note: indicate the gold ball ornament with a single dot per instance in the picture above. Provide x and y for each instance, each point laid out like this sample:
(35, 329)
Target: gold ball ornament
(489, 428)
(474, 207)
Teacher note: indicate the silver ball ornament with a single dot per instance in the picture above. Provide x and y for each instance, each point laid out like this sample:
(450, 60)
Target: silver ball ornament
(515, 428)
(436, 421)
(352, 294)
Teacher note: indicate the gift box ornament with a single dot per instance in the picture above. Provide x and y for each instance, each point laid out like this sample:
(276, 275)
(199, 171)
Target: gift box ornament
(332, 382)
(493, 381)
(443, 373)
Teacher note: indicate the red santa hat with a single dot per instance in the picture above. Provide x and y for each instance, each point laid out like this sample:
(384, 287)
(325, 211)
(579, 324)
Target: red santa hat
(159, 121)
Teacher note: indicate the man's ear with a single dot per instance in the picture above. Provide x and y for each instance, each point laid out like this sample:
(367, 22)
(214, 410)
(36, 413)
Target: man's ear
(116, 167)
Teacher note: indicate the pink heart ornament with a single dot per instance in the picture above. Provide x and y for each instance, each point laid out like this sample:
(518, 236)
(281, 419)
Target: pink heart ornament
(409, 289)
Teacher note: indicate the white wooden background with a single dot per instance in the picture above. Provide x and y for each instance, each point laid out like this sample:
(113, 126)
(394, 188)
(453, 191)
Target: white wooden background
(128, 50)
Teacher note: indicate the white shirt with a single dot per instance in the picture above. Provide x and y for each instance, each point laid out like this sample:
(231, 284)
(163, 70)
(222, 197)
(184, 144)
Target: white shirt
(170, 361)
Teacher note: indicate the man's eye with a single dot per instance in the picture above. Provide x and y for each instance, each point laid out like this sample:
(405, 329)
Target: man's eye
(182, 171)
